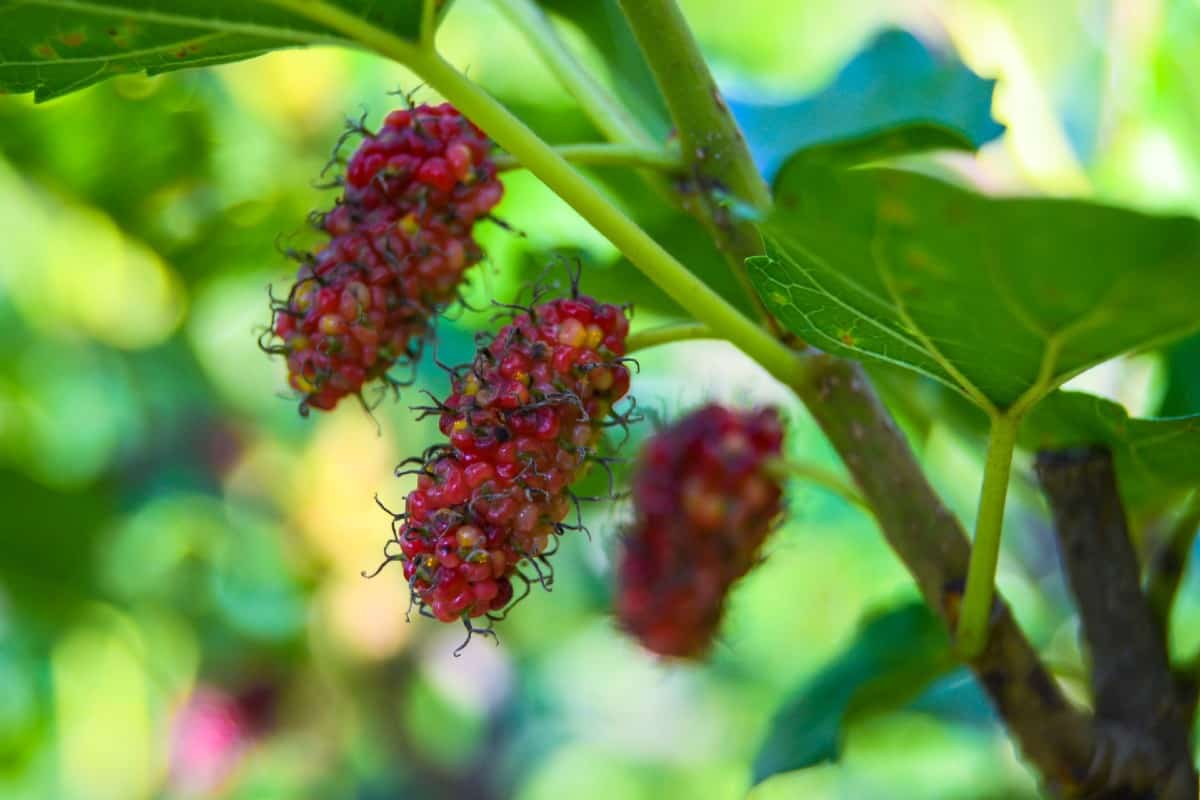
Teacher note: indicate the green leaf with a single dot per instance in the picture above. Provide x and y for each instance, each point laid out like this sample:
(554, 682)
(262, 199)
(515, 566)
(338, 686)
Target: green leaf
(1183, 379)
(1156, 459)
(53, 47)
(895, 82)
(1000, 298)
(46, 563)
(893, 656)
(886, 143)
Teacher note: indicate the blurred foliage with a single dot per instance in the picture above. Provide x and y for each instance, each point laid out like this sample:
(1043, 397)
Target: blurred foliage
(895, 81)
(181, 608)
(894, 655)
(603, 24)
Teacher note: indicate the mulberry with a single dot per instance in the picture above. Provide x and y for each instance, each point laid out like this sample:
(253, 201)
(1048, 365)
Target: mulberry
(704, 503)
(524, 421)
(432, 162)
(400, 242)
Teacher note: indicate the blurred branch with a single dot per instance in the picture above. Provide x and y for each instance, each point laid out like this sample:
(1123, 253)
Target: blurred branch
(605, 112)
(1169, 563)
(1132, 685)
(714, 151)
(600, 154)
(826, 479)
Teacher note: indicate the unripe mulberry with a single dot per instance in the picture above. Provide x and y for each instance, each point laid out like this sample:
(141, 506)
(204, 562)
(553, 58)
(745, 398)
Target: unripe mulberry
(400, 240)
(430, 161)
(704, 502)
(523, 422)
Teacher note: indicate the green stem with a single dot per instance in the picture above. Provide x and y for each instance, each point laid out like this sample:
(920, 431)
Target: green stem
(428, 23)
(659, 266)
(665, 334)
(708, 135)
(509, 132)
(976, 610)
(827, 479)
(608, 155)
(713, 148)
(609, 116)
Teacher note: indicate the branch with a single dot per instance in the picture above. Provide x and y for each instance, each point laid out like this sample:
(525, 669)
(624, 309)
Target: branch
(1132, 684)
(712, 146)
(1056, 736)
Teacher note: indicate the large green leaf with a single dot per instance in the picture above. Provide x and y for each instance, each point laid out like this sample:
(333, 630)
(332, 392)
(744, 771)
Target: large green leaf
(52, 47)
(1156, 459)
(895, 82)
(1000, 298)
(893, 656)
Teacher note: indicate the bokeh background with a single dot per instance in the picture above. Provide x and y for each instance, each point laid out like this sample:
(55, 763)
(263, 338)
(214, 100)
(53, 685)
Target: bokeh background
(181, 608)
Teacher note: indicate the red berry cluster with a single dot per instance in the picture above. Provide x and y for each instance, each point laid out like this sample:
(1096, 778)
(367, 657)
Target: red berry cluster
(400, 241)
(523, 421)
(704, 504)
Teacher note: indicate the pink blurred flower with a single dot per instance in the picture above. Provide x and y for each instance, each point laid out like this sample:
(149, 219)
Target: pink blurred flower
(209, 735)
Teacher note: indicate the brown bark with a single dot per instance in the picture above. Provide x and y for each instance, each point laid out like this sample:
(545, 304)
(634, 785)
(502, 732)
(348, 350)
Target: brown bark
(1134, 692)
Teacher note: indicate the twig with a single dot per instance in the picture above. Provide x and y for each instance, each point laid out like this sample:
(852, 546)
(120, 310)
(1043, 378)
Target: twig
(818, 475)
(604, 110)
(666, 334)
(1055, 735)
(1132, 685)
(712, 146)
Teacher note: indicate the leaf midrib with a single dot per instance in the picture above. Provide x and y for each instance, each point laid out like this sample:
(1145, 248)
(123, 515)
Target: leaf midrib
(123, 55)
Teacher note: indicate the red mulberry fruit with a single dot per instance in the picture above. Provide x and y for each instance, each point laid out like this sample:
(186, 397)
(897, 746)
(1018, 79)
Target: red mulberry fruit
(427, 160)
(704, 502)
(400, 242)
(524, 421)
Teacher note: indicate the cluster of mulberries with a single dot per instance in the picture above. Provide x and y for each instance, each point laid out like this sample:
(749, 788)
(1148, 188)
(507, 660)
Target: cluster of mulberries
(523, 421)
(704, 502)
(400, 239)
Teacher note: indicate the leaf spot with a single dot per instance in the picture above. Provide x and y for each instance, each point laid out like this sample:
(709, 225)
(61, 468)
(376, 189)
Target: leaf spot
(893, 210)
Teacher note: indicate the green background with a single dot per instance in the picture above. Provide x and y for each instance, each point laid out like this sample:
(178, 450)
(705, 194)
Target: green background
(170, 528)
